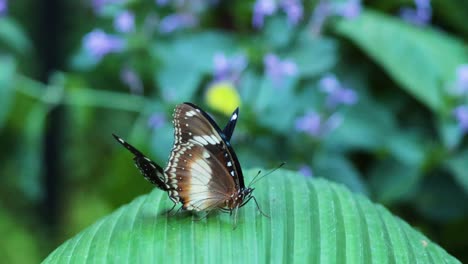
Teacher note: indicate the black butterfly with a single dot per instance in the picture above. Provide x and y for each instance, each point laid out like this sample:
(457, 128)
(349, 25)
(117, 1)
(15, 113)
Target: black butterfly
(203, 172)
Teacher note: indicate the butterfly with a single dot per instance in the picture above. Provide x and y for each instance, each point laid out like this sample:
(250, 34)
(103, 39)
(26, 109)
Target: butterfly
(203, 172)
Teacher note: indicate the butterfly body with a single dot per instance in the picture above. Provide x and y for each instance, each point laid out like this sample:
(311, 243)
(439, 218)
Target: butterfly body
(203, 172)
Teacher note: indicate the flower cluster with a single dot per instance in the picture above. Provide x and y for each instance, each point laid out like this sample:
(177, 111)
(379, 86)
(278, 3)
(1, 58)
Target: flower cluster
(98, 43)
(3, 7)
(420, 15)
(349, 9)
(264, 8)
(461, 115)
(277, 69)
(124, 22)
(337, 94)
(228, 68)
(132, 80)
(177, 21)
(319, 124)
(460, 89)
(306, 170)
(99, 5)
(156, 120)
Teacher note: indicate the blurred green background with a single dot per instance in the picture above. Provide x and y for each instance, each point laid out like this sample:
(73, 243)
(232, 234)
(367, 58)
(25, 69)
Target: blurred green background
(371, 94)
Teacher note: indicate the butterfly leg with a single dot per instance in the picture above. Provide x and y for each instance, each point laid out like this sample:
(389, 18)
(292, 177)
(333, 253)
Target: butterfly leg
(169, 212)
(203, 217)
(258, 207)
(235, 217)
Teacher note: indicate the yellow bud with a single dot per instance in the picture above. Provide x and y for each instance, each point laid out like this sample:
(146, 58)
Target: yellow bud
(223, 97)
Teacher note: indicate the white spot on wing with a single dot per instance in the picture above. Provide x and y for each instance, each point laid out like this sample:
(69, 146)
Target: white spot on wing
(216, 138)
(234, 116)
(190, 113)
(210, 140)
(200, 140)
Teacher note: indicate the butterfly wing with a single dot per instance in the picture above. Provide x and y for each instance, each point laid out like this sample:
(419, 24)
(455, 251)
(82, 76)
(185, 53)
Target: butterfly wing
(149, 169)
(229, 128)
(203, 171)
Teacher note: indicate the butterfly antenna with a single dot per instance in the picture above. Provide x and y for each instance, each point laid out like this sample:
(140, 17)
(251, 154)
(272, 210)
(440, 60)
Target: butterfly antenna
(254, 180)
(258, 173)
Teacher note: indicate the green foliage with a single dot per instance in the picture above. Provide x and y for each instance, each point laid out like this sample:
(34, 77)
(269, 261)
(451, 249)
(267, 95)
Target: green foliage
(13, 37)
(398, 144)
(311, 221)
(7, 68)
(422, 60)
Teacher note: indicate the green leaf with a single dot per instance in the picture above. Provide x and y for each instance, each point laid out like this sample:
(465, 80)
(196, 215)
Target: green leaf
(392, 180)
(31, 151)
(365, 126)
(7, 73)
(178, 84)
(313, 55)
(278, 32)
(194, 52)
(270, 100)
(13, 36)
(336, 167)
(422, 59)
(449, 132)
(312, 221)
(458, 165)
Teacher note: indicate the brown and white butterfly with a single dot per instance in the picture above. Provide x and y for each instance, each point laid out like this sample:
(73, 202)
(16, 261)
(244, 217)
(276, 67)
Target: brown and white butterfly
(203, 172)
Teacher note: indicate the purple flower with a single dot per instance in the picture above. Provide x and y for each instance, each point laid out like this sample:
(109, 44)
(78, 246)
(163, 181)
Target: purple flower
(125, 22)
(277, 69)
(421, 15)
(293, 9)
(461, 82)
(131, 78)
(98, 5)
(321, 12)
(337, 94)
(177, 21)
(162, 2)
(342, 96)
(461, 115)
(225, 68)
(3, 7)
(99, 44)
(310, 123)
(325, 9)
(156, 120)
(263, 8)
(351, 9)
(315, 125)
(329, 83)
(306, 170)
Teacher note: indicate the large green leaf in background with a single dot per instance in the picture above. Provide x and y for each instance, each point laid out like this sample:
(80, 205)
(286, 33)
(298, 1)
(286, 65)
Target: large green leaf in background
(312, 221)
(421, 59)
